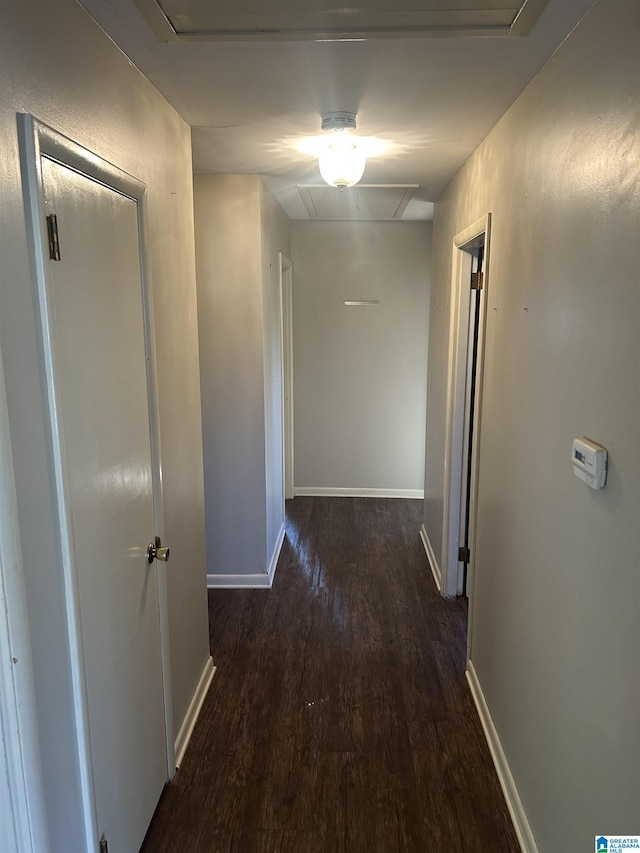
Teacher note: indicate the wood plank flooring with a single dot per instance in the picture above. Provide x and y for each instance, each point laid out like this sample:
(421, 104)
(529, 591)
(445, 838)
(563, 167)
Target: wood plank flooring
(339, 719)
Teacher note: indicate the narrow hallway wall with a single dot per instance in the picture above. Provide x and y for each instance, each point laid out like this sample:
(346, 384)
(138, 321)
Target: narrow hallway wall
(240, 228)
(229, 274)
(56, 64)
(360, 372)
(556, 595)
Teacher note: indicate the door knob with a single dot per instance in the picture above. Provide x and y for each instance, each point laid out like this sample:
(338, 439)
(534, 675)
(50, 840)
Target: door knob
(155, 551)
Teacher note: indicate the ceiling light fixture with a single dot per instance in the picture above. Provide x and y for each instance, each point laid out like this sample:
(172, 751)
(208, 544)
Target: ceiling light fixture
(342, 163)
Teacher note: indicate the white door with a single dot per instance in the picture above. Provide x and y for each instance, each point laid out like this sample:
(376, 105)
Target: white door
(99, 368)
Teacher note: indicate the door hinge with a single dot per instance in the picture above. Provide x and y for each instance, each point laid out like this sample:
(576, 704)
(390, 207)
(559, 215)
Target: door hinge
(104, 845)
(54, 242)
(464, 555)
(477, 280)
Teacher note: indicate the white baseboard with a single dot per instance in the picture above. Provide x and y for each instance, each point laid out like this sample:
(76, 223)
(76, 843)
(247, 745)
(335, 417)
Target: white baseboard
(431, 557)
(257, 581)
(514, 803)
(329, 492)
(263, 580)
(186, 729)
(273, 563)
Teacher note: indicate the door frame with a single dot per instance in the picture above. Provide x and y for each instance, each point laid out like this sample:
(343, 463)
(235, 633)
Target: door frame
(37, 140)
(475, 310)
(22, 800)
(286, 351)
(462, 259)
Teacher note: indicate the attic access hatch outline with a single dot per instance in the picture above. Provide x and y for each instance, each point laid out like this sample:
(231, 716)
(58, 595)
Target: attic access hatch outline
(199, 20)
(363, 202)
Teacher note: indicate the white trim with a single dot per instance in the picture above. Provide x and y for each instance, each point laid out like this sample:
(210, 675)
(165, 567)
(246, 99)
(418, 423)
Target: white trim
(286, 350)
(157, 20)
(431, 557)
(157, 479)
(20, 766)
(330, 492)
(273, 563)
(239, 581)
(193, 711)
(455, 407)
(514, 803)
(262, 580)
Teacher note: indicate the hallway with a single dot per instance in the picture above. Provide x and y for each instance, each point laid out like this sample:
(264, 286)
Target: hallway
(339, 719)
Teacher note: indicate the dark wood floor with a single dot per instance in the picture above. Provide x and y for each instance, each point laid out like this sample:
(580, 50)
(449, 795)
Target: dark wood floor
(339, 719)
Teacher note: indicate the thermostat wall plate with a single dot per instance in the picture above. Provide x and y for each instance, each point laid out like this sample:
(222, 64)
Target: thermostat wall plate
(590, 462)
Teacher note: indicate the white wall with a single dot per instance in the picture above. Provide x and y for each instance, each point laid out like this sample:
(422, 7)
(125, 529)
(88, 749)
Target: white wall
(56, 64)
(556, 601)
(360, 373)
(239, 230)
(229, 274)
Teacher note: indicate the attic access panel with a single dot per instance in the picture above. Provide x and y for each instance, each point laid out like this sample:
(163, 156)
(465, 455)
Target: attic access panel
(368, 202)
(233, 20)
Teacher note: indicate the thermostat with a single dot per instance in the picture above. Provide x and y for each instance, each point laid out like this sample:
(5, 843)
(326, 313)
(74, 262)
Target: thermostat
(590, 462)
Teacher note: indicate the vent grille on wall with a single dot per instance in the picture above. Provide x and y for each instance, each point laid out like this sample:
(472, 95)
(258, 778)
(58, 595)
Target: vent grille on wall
(233, 20)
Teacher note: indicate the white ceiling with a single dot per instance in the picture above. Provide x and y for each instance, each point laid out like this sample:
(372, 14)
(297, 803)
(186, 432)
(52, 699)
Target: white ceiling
(252, 99)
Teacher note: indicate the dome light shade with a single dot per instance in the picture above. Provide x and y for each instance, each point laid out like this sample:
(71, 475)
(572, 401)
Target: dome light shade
(342, 164)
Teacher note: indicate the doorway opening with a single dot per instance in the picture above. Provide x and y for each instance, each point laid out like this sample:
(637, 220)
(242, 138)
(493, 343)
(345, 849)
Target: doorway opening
(469, 287)
(286, 360)
(471, 387)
